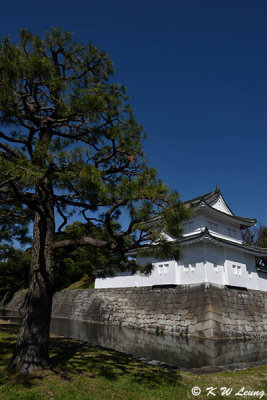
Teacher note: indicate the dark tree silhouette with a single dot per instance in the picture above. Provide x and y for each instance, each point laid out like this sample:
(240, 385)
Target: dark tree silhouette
(69, 143)
(256, 236)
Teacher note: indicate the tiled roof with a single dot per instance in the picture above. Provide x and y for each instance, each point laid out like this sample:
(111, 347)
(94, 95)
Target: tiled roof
(208, 198)
(261, 251)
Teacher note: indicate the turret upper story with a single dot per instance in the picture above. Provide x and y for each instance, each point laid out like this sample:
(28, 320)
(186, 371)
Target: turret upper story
(212, 212)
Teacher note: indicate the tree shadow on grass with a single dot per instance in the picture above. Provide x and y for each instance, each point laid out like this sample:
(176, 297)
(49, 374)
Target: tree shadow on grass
(8, 334)
(69, 357)
(8, 337)
(7, 344)
(73, 356)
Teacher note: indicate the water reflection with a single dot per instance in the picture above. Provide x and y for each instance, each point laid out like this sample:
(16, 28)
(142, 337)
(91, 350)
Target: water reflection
(179, 351)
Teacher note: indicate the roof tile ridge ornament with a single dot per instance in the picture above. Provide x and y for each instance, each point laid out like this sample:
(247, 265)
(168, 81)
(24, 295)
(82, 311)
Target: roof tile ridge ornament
(205, 235)
(203, 203)
(206, 230)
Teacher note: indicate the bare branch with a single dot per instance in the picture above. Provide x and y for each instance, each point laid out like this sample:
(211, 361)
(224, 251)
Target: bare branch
(87, 241)
(9, 154)
(10, 139)
(63, 216)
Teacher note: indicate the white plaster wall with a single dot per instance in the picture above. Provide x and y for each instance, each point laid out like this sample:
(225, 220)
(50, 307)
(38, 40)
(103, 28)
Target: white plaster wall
(215, 270)
(220, 205)
(194, 225)
(252, 278)
(121, 279)
(163, 273)
(202, 262)
(244, 274)
(191, 268)
(188, 274)
(223, 230)
(262, 282)
(209, 264)
(218, 227)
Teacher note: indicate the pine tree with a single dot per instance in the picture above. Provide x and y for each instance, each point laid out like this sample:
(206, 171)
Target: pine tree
(256, 236)
(70, 144)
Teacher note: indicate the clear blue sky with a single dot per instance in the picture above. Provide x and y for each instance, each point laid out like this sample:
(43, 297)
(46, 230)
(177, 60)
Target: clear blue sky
(196, 72)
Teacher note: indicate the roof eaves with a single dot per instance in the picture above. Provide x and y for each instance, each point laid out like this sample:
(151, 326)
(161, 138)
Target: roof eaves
(206, 232)
(243, 219)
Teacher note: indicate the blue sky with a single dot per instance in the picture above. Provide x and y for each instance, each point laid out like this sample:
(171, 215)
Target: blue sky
(196, 72)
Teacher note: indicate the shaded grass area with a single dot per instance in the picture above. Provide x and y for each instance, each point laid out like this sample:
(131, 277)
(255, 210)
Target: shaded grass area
(82, 372)
(84, 283)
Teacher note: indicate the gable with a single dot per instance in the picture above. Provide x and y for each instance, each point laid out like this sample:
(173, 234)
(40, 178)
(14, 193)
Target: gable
(219, 204)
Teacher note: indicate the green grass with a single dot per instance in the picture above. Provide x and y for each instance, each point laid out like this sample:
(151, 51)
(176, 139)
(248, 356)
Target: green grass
(82, 372)
(84, 283)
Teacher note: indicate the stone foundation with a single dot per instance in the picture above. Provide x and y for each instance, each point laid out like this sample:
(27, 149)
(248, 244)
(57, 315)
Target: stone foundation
(201, 310)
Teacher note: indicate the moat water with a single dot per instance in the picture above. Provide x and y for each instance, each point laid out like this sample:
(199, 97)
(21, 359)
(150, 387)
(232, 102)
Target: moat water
(176, 350)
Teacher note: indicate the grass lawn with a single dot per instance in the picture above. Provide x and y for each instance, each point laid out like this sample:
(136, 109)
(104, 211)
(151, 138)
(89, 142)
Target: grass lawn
(82, 372)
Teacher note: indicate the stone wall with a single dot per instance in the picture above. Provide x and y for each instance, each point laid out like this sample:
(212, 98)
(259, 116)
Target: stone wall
(203, 310)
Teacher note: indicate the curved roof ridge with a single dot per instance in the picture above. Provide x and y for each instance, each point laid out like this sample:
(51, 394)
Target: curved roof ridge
(206, 197)
(243, 219)
(210, 197)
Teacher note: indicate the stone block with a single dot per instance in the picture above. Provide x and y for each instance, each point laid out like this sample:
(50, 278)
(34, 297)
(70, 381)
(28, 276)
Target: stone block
(194, 310)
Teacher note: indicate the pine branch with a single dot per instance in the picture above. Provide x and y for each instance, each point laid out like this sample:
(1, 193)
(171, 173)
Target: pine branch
(86, 241)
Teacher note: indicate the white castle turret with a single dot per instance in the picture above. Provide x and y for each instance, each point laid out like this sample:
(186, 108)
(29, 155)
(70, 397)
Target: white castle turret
(212, 252)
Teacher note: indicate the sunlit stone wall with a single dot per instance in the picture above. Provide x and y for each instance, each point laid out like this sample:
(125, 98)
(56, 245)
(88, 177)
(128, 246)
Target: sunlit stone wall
(201, 310)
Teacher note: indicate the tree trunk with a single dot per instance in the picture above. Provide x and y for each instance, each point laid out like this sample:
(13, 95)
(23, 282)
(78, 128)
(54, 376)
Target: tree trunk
(31, 350)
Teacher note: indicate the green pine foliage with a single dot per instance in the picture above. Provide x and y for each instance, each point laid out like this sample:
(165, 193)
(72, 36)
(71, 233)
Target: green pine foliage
(68, 134)
(14, 269)
(71, 264)
(84, 262)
